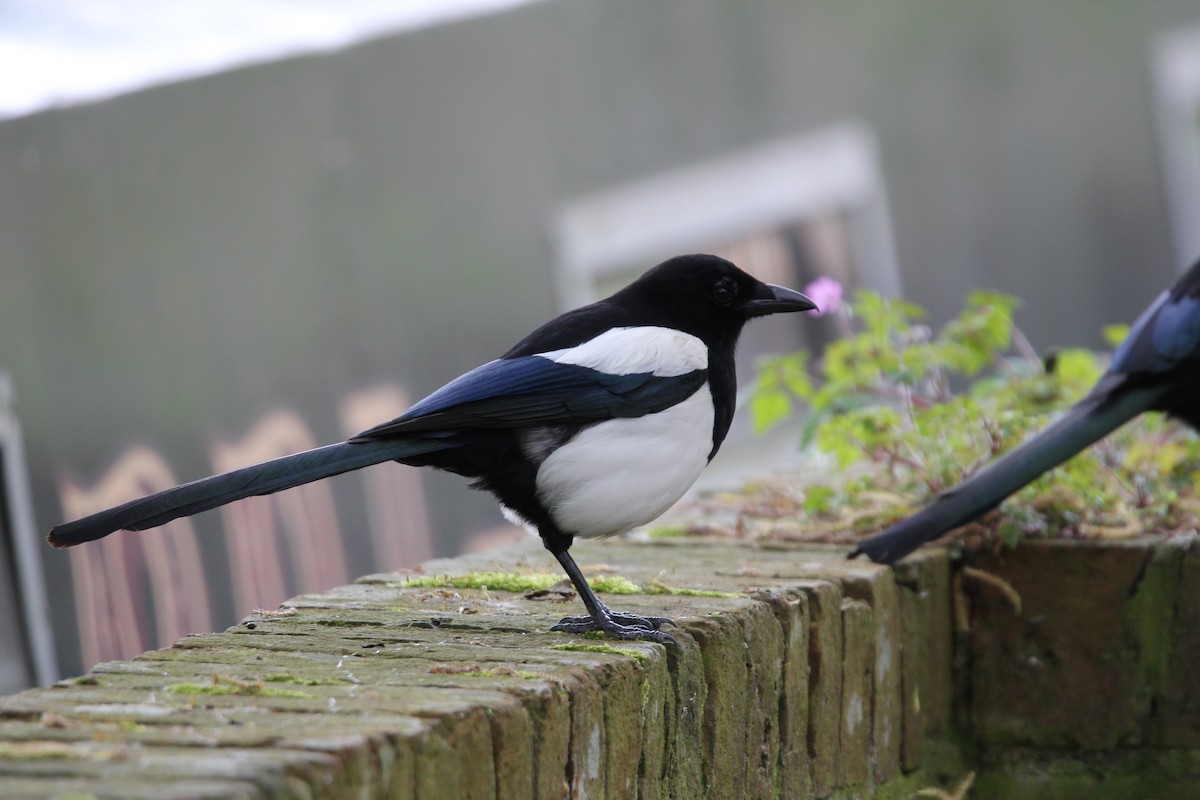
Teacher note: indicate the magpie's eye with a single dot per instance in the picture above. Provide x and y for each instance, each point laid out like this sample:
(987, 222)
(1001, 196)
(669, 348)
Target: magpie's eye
(725, 291)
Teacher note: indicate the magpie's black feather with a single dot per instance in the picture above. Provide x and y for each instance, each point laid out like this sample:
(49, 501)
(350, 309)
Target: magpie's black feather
(266, 478)
(509, 393)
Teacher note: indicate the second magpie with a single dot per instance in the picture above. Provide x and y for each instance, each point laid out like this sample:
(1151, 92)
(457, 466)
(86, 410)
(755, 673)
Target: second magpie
(1154, 369)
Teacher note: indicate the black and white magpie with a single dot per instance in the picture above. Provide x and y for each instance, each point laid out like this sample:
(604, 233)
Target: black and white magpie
(1156, 368)
(592, 425)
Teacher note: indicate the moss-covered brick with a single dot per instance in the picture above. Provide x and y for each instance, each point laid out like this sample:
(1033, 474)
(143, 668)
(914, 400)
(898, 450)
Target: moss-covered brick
(623, 717)
(448, 759)
(858, 685)
(1180, 706)
(1081, 663)
(684, 717)
(826, 659)
(512, 739)
(722, 647)
(585, 761)
(764, 656)
(876, 586)
(656, 706)
(548, 706)
(923, 584)
(791, 609)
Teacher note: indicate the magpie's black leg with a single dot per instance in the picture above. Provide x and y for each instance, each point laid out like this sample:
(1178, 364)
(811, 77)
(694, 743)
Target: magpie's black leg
(618, 625)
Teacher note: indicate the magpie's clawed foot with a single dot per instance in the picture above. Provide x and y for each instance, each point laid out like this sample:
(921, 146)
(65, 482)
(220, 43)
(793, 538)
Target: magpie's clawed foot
(619, 625)
(619, 617)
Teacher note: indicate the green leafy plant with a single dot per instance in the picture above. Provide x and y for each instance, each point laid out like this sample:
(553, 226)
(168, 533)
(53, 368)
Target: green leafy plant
(905, 411)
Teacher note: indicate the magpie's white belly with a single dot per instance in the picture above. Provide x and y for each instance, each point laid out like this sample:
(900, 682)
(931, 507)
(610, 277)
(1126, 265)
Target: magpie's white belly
(623, 473)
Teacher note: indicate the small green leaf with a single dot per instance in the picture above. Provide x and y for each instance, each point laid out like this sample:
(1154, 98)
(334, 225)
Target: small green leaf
(1115, 334)
(1077, 369)
(817, 499)
(768, 409)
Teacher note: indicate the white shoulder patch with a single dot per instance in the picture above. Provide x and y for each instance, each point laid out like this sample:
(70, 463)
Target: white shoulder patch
(665, 352)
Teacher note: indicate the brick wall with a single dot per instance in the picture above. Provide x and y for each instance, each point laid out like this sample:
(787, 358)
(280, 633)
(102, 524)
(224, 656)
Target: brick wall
(798, 674)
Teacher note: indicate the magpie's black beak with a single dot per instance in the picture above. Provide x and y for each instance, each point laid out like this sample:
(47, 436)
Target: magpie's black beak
(772, 299)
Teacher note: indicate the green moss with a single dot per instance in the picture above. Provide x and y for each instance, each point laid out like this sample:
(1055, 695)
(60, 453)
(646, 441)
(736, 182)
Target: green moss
(693, 592)
(499, 581)
(667, 532)
(579, 647)
(1149, 617)
(513, 582)
(614, 584)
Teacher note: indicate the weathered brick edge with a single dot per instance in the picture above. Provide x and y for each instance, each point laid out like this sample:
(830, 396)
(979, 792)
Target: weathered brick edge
(801, 675)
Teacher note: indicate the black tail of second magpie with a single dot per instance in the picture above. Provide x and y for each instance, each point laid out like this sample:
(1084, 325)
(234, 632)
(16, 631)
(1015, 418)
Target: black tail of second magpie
(1089, 420)
(266, 478)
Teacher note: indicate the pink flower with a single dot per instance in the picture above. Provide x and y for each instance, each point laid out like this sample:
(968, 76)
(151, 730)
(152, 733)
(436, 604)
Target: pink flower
(826, 293)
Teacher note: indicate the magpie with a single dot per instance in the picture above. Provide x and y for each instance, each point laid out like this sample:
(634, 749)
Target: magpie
(1156, 368)
(590, 426)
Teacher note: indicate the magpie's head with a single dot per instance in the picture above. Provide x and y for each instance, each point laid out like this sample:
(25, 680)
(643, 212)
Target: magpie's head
(707, 296)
